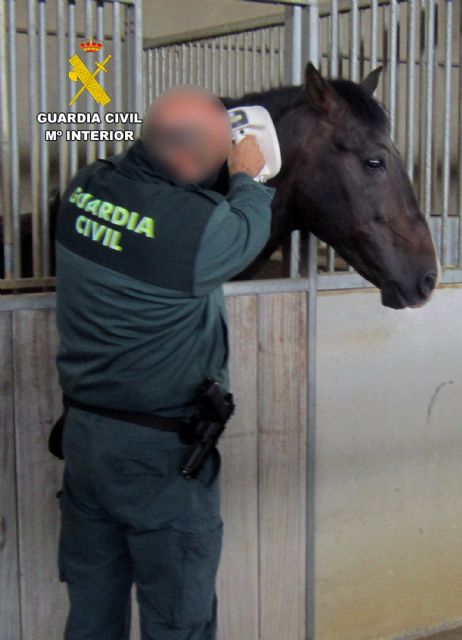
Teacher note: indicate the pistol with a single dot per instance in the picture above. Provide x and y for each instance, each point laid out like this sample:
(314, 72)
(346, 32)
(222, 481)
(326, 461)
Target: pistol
(209, 422)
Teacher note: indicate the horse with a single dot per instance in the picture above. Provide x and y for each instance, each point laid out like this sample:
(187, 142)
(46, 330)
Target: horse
(343, 180)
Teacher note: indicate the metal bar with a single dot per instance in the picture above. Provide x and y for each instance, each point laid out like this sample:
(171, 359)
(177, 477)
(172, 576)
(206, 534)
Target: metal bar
(446, 134)
(14, 149)
(62, 92)
(311, 345)
(392, 56)
(428, 147)
(101, 144)
(34, 133)
(354, 41)
(237, 63)
(374, 31)
(459, 177)
(229, 48)
(277, 285)
(5, 149)
(246, 66)
(137, 58)
(294, 76)
(117, 64)
(90, 145)
(72, 145)
(333, 72)
(44, 164)
(410, 74)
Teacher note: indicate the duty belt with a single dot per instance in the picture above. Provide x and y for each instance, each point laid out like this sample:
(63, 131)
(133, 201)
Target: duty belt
(164, 423)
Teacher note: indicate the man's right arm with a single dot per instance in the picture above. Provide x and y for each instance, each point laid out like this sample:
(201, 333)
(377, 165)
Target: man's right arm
(236, 232)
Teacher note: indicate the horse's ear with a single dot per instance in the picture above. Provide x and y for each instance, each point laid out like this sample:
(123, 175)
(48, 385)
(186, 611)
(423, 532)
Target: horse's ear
(320, 93)
(371, 81)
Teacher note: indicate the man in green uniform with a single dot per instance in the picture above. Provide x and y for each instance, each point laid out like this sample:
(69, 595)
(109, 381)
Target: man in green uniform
(143, 246)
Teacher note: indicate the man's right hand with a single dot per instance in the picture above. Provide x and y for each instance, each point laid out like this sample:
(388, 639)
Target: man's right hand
(246, 156)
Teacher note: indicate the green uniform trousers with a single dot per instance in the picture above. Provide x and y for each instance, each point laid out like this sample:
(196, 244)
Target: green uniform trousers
(128, 515)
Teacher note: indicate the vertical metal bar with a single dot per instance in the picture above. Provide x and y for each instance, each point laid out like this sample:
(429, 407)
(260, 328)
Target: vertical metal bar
(271, 57)
(206, 70)
(294, 76)
(101, 144)
(374, 28)
(183, 64)
(245, 65)
(42, 65)
(72, 145)
(177, 48)
(237, 65)
(333, 72)
(150, 78)
(354, 40)
(311, 343)
(459, 177)
(254, 60)
(62, 92)
(281, 54)
(263, 80)
(214, 65)
(90, 146)
(5, 149)
(410, 72)
(392, 53)
(128, 43)
(34, 138)
(221, 66)
(137, 58)
(157, 72)
(117, 64)
(229, 48)
(430, 61)
(14, 156)
(447, 133)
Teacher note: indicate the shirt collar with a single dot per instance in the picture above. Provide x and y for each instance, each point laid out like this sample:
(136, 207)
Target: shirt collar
(136, 162)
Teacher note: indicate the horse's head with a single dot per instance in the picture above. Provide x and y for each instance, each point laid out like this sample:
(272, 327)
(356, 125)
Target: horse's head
(344, 180)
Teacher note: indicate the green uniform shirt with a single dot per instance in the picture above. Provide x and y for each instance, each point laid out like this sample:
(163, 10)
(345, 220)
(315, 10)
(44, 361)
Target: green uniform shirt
(140, 261)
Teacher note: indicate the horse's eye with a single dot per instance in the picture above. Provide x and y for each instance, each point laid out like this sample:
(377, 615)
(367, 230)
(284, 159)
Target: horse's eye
(374, 163)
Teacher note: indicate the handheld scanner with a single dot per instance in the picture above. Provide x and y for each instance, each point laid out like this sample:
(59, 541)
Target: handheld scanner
(256, 121)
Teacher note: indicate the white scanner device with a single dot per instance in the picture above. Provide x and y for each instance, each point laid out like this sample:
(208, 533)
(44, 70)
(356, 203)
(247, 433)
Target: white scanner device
(255, 120)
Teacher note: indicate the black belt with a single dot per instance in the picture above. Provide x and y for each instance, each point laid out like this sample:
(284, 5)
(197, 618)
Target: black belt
(164, 423)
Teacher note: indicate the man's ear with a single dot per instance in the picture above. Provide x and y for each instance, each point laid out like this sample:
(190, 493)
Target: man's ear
(321, 95)
(371, 81)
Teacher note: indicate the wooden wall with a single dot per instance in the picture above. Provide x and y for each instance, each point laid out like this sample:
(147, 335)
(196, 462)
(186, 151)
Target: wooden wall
(261, 583)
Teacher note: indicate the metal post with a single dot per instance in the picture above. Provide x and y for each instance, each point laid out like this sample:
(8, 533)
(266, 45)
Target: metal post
(293, 74)
(447, 133)
(5, 147)
(34, 133)
(14, 154)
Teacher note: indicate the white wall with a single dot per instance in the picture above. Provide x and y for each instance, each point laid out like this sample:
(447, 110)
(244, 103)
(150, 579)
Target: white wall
(389, 465)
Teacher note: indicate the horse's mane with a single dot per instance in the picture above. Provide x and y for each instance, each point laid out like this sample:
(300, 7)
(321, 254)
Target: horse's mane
(279, 99)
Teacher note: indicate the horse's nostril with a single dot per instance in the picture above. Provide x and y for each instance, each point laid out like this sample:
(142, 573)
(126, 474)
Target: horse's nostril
(427, 283)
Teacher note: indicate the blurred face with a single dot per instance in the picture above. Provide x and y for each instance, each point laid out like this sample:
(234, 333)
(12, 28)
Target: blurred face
(190, 131)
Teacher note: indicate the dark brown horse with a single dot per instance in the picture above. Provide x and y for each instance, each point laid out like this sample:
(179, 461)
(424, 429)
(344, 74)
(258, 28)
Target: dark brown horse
(342, 179)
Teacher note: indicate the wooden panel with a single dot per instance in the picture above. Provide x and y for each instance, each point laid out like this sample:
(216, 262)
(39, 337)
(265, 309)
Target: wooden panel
(238, 572)
(282, 453)
(39, 474)
(9, 569)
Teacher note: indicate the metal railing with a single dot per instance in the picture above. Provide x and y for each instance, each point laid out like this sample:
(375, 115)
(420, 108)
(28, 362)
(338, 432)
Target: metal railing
(417, 41)
(32, 166)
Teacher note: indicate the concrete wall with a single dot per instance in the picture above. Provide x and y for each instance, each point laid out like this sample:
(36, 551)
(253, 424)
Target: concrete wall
(389, 472)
